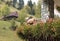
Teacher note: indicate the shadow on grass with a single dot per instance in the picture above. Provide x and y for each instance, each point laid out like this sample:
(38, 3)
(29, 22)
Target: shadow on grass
(21, 35)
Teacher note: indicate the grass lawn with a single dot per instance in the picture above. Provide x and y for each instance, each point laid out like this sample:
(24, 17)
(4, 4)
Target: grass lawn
(6, 34)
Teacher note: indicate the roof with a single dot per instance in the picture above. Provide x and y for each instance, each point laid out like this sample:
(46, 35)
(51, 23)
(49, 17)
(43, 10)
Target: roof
(13, 14)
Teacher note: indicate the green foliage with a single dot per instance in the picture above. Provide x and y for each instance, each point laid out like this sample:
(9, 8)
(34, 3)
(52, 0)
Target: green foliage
(56, 24)
(37, 9)
(44, 29)
(31, 31)
(5, 10)
(28, 9)
(37, 31)
(22, 15)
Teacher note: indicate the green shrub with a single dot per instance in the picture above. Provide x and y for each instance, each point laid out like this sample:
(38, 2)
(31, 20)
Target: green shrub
(56, 25)
(4, 10)
(31, 31)
(22, 15)
(41, 30)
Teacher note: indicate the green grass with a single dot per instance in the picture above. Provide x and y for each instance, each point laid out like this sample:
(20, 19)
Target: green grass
(7, 34)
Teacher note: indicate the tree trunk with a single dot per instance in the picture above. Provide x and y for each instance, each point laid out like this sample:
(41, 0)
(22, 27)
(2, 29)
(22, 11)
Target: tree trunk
(51, 8)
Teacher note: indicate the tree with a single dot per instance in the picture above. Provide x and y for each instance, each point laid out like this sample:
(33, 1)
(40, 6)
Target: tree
(14, 3)
(51, 8)
(31, 8)
(17, 5)
(9, 2)
(28, 9)
(30, 4)
(38, 9)
(21, 4)
(2, 0)
(33, 11)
